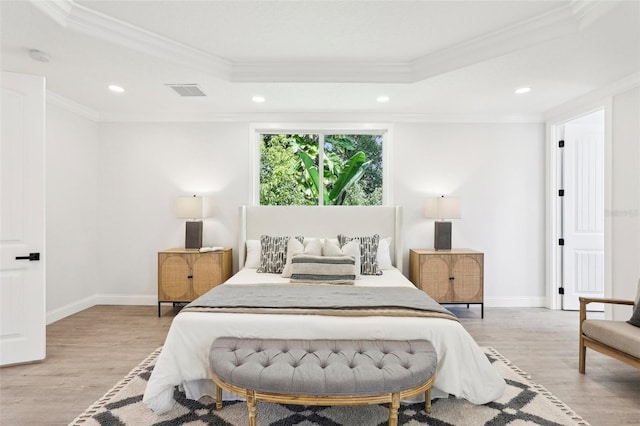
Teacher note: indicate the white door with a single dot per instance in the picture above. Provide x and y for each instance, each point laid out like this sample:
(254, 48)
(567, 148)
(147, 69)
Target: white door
(22, 281)
(583, 218)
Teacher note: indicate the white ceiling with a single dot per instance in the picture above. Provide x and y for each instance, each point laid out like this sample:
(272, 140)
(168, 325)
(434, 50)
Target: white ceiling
(432, 58)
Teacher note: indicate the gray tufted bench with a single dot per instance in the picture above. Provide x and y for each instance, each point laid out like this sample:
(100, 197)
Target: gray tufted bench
(323, 372)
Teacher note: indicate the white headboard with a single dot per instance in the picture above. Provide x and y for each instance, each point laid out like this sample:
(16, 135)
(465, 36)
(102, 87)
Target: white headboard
(322, 222)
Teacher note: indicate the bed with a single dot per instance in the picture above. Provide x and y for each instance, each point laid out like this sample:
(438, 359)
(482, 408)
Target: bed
(463, 370)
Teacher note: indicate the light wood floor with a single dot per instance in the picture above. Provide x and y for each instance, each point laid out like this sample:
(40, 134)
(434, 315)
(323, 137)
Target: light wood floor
(87, 353)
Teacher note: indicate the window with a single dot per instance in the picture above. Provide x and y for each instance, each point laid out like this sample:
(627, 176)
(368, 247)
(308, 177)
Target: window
(352, 171)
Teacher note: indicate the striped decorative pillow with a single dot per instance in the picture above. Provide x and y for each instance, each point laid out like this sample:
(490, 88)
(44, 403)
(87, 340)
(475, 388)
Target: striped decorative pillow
(352, 248)
(294, 247)
(273, 253)
(323, 269)
(368, 252)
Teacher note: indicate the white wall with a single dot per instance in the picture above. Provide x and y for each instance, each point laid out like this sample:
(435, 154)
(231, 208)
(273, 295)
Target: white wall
(111, 189)
(71, 212)
(497, 170)
(143, 168)
(625, 214)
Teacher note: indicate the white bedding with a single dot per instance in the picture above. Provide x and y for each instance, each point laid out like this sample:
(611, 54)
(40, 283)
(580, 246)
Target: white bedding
(463, 370)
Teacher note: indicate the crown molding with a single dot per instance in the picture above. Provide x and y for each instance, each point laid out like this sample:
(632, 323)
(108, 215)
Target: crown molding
(548, 26)
(594, 98)
(72, 106)
(588, 11)
(315, 117)
(323, 72)
(82, 19)
(555, 23)
(57, 10)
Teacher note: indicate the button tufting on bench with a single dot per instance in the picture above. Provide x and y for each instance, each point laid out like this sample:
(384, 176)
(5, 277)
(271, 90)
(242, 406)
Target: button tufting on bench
(325, 371)
(402, 365)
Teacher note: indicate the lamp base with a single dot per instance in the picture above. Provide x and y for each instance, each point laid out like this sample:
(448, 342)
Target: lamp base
(193, 236)
(442, 236)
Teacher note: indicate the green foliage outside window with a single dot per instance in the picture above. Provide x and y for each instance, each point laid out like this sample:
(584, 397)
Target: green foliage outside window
(352, 169)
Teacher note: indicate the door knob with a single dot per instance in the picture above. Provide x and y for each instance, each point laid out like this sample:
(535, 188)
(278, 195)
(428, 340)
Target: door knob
(31, 257)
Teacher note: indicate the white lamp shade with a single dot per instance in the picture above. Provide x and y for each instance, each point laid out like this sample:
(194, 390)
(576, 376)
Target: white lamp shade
(442, 208)
(190, 208)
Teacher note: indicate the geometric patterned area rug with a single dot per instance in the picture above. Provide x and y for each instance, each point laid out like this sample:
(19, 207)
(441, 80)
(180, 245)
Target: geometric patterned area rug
(523, 403)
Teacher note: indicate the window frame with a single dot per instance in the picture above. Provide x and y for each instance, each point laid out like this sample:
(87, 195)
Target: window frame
(321, 129)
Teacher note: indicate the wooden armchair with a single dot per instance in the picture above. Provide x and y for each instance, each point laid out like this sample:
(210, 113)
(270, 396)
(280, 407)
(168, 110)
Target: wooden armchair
(617, 339)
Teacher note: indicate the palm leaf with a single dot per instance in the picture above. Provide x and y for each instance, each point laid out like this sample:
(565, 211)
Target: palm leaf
(351, 173)
(312, 170)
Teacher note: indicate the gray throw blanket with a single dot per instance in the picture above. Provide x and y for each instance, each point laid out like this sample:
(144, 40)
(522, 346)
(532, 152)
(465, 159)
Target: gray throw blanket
(319, 299)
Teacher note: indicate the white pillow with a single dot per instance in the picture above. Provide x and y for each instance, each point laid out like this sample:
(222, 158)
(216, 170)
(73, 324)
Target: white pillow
(253, 254)
(331, 247)
(384, 254)
(311, 246)
(307, 240)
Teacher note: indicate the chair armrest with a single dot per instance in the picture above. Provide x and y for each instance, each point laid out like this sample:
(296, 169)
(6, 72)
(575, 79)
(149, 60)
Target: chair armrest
(587, 300)
(584, 301)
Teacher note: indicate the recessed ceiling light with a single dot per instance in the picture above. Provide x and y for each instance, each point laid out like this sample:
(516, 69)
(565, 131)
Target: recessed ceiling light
(383, 99)
(39, 55)
(258, 99)
(522, 90)
(116, 89)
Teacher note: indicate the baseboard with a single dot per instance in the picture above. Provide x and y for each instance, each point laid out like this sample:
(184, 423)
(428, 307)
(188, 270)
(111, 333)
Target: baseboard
(99, 299)
(70, 309)
(126, 299)
(515, 302)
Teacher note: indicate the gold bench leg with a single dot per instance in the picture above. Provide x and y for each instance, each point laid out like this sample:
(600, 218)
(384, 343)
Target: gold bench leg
(427, 401)
(393, 409)
(218, 398)
(251, 405)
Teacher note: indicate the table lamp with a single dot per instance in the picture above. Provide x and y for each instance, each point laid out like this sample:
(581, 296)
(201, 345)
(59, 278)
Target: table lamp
(191, 208)
(442, 208)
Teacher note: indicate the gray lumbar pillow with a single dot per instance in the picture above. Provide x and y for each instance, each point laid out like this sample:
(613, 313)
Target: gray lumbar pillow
(635, 318)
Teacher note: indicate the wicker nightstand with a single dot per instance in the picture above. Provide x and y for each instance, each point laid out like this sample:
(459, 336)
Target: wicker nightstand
(449, 276)
(185, 274)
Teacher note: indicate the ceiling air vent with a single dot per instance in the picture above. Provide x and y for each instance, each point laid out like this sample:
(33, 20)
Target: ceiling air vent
(187, 89)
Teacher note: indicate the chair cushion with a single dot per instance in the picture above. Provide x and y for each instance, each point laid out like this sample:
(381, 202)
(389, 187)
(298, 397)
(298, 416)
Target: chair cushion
(323, 367)
(617, 334)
